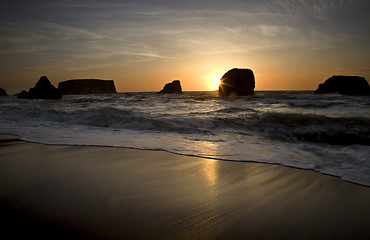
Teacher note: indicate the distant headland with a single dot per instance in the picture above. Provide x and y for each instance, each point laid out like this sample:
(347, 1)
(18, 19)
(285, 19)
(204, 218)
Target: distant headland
(45, 90)
(344, 85)
(87, 86)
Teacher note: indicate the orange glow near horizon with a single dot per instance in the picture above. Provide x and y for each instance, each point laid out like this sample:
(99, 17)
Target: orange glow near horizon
(142, 51)
(212, 81)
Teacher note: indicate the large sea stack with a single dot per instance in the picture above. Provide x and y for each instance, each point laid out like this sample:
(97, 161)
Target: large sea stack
(345, 85)
(42, 90)
(87, 86)
(174, 87)
(239, 82)
(3, 92)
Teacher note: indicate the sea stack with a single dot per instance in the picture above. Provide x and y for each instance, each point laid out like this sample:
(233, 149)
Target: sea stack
(42, 90)
(237, 82)
(345, 85)
(87, 86)
(3, 92)
(174, 87)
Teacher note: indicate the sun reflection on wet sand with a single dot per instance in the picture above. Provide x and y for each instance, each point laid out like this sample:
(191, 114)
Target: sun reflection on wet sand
(210, 202)
(210, 171)
(209, 167)
(208, 150)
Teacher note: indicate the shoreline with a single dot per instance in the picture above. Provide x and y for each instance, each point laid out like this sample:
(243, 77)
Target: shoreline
(11, 138)
(121, 193)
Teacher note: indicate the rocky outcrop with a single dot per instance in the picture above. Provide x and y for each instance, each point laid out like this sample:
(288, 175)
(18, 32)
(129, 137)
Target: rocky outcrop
(87, 86)
(345, 85)
(3, 92)
(174, 87)
(239, 82)
(42, 90)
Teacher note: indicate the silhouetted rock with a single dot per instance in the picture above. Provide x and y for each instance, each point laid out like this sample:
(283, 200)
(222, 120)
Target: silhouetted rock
(23, 94)
(238, 82)
(42, 90)
(174, 87)
(345, 85)
(87, 86)
(3, 92)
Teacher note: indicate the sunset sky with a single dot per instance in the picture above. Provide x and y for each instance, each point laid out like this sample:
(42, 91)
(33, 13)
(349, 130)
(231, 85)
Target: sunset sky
(143, 44)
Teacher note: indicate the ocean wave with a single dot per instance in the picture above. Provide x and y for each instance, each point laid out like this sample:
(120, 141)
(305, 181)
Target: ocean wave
(232, 110)
(106, 117)
(293, 127)
(329, 134)
(312, 128)
(311, 104)
(184, 119)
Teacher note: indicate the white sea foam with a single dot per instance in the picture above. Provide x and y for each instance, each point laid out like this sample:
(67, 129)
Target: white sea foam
(329, 134)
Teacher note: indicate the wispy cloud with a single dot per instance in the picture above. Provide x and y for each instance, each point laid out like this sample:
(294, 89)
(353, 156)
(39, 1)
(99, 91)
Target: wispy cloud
(84, 32)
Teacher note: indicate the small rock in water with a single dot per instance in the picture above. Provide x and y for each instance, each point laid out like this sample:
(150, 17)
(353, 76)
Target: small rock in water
(3, 92)
(174, 87)
(42, 90)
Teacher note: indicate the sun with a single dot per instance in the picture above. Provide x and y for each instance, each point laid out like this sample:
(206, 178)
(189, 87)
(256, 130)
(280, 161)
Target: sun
(212, 82)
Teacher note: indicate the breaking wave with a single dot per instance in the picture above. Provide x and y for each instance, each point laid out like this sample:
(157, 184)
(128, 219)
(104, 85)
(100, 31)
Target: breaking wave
(329, 134)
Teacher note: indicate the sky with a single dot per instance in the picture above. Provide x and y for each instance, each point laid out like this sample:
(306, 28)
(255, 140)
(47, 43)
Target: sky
(143, 44)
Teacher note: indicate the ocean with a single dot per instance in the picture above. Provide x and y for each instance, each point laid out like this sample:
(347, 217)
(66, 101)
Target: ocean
(329, 134)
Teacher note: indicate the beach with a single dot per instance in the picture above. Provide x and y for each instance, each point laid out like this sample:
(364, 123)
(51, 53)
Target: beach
(89, 192)
(220, 120)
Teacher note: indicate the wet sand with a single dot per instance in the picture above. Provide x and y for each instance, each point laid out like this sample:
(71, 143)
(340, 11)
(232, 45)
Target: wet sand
(74, 192)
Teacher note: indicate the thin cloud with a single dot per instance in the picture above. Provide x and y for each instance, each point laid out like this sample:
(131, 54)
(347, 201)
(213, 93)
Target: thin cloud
(71, 33)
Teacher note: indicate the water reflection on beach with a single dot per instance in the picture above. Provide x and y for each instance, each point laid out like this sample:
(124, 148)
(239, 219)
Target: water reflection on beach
(209, 168)
(210, 171)
(210, 202)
